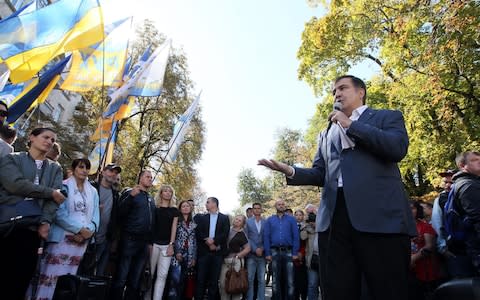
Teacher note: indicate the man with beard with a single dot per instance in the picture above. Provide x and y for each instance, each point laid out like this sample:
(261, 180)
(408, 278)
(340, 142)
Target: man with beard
(107, 232)
(281, 240)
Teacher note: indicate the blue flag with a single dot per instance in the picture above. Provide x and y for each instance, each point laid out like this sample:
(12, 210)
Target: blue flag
(19, 107)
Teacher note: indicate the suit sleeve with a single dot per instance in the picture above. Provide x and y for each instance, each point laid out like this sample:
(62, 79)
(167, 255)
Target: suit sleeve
(251, 239)
(200, 233)
(389, 142)
(222, 236)
(314, 175)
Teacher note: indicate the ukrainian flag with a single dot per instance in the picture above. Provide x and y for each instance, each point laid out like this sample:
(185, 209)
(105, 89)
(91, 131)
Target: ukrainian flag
(36, 92)
(29, 41)
(101, 64)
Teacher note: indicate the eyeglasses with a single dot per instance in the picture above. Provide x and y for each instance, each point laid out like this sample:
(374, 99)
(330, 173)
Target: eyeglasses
(3, 113)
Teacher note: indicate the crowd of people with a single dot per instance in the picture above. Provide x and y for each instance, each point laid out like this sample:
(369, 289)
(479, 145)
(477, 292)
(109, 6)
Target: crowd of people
(360, 243)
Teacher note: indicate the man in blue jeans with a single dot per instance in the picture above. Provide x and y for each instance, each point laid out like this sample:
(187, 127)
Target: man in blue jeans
(281, 243)
(256, 259)
(136, 209)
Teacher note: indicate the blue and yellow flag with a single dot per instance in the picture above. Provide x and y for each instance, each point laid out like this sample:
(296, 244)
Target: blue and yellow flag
(119, 96)
(36, 92)
(102, 153)
(150, 82)
(10, 92)
(101, 64)
(29, 41)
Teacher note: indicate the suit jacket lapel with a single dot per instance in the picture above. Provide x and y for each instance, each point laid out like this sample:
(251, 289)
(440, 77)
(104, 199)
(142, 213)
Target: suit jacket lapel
(217, 226)
(333, 138)
(367, 114)
(207, 217)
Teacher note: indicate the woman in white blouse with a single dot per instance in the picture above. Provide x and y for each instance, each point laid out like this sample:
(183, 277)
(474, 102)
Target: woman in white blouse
(75, 223)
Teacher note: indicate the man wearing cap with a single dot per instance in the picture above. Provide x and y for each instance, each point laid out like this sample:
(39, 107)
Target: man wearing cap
(107, 229)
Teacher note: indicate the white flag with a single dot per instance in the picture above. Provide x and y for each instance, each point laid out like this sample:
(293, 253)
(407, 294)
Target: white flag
(180, 129)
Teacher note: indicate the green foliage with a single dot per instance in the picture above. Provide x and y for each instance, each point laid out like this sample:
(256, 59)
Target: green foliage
(251, 189)
(428, 53)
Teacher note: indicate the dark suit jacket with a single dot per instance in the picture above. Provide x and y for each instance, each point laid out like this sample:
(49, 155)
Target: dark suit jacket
(374, 193)
(221, 233)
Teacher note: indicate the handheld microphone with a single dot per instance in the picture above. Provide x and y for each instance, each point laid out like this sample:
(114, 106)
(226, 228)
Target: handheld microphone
(336, 106)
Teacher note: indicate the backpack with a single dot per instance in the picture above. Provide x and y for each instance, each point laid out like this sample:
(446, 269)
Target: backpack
(457, 225)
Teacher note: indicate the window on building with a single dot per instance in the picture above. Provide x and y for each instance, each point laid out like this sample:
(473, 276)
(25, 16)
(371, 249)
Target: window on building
(58, 113)
(48, 108)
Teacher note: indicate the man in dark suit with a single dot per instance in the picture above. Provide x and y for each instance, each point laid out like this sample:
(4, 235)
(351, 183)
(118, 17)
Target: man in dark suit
(212, 235)
(364, 220)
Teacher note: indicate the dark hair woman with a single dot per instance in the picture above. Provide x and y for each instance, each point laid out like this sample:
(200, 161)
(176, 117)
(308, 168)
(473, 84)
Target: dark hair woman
(424, 262)
(185, 256)
(27, 176)
(75, 222)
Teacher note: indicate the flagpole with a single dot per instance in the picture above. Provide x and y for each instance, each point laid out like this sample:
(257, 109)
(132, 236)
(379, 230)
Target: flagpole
(157, 170)
(28, 118)
(168, 150)
(102, 95)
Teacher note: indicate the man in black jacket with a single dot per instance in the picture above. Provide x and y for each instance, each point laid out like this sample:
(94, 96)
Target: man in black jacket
(136, 210)
(212, 235)
(467, 192)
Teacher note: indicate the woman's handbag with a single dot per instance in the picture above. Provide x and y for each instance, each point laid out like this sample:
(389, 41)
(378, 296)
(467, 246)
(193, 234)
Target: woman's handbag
(23, 214)
(236, 282)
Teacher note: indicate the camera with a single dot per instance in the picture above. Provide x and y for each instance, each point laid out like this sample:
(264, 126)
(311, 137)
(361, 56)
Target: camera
(311, 217)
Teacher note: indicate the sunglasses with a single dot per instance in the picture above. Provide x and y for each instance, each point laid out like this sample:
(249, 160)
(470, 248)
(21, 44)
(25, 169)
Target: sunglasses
(3, 113)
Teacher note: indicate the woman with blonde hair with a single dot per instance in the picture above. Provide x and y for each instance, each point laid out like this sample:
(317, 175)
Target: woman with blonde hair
(166, 220)
(238, 248)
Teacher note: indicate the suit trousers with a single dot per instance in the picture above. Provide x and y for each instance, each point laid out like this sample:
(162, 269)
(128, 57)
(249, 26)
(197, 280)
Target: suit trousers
(208, 273)
(346, 254)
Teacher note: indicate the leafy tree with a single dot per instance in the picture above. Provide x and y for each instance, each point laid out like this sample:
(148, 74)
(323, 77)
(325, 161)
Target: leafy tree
(251, 189)
(291, 148)
(428, 54)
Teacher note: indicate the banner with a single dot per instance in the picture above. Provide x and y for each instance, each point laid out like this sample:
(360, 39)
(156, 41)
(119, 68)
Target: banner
(37, 92)
(151, 81)
(29, 41)
(100, 64)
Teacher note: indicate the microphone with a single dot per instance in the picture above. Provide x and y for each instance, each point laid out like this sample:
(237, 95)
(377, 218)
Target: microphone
(336, 106)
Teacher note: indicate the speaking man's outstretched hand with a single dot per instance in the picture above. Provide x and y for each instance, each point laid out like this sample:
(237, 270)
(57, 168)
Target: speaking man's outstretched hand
(276, 166)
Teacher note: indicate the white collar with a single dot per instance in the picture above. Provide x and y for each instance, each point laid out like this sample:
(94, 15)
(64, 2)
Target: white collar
(357, 112)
